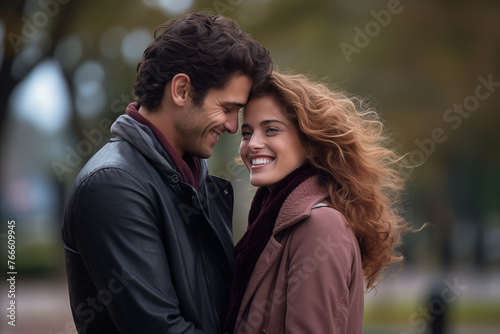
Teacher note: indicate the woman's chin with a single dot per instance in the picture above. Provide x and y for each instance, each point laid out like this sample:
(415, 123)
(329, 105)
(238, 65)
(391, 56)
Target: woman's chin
(261, 183)
(257, 183)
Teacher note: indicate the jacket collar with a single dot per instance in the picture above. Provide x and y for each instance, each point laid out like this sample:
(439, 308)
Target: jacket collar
(144, 140)
(299, 203)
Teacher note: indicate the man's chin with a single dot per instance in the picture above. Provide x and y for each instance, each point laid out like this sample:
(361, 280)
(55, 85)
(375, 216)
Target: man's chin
(205, 154)
(201, 151)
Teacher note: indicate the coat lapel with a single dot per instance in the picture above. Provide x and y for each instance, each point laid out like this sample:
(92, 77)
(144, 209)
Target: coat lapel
(295, 208)
(269, 256)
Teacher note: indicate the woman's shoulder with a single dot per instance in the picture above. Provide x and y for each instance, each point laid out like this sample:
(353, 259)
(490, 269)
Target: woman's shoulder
(325, 222)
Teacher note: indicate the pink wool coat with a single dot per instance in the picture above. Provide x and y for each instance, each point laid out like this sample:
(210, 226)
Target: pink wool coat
(309, 278)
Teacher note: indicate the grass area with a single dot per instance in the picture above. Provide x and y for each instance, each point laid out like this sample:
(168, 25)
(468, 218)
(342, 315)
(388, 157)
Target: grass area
(36, 259)
(403, 315)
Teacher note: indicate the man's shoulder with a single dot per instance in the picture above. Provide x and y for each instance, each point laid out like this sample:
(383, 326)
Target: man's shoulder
(116, 155)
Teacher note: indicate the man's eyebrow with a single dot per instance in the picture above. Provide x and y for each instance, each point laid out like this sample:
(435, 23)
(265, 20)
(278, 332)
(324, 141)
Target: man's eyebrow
(234, 104)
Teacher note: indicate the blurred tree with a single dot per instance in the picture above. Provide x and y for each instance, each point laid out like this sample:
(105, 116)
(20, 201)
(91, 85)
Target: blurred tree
(22, 36)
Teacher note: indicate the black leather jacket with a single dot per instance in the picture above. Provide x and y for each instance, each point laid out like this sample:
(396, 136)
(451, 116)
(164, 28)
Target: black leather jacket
(145, 252)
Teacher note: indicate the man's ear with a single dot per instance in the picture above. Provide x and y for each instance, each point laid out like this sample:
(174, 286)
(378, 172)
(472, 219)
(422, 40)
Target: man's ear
(179, 88)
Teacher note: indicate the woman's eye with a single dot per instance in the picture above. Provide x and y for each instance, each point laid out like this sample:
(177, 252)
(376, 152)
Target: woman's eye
(246, 134)
(271, 130)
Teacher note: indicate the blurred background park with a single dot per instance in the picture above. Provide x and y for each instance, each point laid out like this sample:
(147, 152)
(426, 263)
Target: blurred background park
(432, 68)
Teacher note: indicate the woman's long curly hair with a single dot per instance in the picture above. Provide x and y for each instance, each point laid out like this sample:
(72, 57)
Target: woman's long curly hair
(349, 149)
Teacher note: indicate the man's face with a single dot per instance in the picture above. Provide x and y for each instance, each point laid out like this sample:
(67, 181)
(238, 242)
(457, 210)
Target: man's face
(199, 127)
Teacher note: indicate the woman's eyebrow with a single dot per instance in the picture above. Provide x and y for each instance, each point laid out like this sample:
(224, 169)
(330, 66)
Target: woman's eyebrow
(267, 121)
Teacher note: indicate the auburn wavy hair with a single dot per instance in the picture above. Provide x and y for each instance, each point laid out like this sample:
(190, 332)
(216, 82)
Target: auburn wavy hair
(350, 151)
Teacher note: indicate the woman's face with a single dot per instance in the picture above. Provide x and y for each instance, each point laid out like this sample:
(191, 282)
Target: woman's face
(270, 145)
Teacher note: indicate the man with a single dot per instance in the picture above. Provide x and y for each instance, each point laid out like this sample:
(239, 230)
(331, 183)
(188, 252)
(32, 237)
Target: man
(147, 233)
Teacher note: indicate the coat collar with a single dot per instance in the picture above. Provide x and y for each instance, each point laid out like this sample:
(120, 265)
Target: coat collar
(143, 139)
(299, 203)
(296, 207)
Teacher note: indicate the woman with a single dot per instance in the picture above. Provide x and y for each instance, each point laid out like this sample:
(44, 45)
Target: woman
(323, 216)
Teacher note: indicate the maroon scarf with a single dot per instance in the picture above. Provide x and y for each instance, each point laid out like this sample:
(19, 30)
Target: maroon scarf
(188, 166)
(261, 219)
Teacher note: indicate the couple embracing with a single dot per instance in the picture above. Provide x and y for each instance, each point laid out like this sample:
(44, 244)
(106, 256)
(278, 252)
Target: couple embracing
(147, 231)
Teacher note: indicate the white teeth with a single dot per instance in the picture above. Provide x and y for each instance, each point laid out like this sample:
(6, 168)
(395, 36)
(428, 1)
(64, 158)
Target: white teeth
(215, 134)
(261, 161)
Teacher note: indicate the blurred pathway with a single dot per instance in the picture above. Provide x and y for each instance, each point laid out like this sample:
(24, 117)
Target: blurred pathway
(42, 306)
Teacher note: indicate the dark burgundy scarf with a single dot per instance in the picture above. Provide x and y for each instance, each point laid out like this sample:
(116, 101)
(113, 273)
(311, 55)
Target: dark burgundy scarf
(261, 219)
(188, 166)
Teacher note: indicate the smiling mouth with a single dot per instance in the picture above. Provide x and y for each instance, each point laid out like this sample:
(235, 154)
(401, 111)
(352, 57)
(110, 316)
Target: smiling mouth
(215, 134)
(261, 161)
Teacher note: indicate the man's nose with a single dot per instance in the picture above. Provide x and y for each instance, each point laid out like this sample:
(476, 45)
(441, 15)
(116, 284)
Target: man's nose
(231, 124)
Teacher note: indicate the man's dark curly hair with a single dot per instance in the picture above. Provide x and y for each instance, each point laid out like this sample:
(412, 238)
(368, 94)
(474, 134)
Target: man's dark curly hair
(209, 49)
